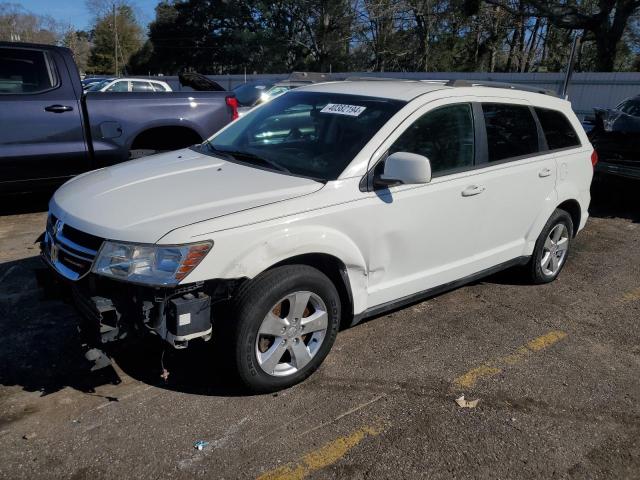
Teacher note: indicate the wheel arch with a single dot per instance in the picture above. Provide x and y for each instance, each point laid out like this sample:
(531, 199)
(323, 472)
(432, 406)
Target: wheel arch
(572, 207)
(327, 249)
(335, 270)
(165, 137)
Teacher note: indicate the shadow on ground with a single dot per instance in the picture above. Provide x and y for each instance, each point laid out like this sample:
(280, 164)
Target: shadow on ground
(615, 197)
(42, 350)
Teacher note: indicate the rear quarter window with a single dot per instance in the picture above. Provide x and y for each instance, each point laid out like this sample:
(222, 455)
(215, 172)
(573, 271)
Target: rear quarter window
(557, 129)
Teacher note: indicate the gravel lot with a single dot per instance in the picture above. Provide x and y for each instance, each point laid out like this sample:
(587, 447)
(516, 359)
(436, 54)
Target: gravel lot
(555, 368)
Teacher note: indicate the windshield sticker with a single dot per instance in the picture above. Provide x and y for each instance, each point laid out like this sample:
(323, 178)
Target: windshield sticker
(340, 109)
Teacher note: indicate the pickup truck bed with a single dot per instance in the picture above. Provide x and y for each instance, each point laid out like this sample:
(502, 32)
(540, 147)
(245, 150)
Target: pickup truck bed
(143, 123)
(51, 131)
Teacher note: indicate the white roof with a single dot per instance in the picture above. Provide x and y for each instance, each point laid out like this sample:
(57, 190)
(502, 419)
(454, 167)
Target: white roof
(407, 90)
(395, 89)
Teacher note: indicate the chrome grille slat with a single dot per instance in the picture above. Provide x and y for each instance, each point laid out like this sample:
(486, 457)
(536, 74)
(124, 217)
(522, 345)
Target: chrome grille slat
(62, 240)
(69, 258)
(68, 252)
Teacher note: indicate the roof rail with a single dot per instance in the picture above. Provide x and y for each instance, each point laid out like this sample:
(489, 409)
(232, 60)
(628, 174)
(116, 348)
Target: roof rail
(379, 79)
(510, 86)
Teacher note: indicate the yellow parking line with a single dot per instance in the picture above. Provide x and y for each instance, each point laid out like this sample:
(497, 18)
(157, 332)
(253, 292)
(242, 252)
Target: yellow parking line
(632, 295)
(470, 378)
(494, 367)
(545, 341)
(322, 457)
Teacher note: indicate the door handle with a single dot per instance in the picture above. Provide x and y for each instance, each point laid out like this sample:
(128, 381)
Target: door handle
(473, 190)
(545, 172)
(58, 108)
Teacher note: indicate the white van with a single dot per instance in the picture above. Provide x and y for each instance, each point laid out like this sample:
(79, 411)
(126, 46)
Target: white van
(329, 204)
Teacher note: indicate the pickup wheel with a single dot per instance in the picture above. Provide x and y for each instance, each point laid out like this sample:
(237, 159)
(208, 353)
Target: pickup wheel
(284, 323)
(552, 248)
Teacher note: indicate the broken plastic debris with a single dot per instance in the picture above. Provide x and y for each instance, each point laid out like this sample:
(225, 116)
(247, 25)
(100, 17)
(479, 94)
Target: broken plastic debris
(462, 403)
(29, 436)
(200, 444)
(98, 358)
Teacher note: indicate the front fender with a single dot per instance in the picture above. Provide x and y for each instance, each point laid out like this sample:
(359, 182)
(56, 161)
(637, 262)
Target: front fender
(239, 256)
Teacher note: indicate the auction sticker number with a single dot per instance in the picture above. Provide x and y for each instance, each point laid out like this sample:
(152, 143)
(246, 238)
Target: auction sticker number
(341, 109)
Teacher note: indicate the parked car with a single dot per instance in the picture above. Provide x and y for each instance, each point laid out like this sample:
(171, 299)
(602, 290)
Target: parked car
(615, 134)
(51, 131)
(199, 83)
(295, 80)
(327, 205)
(130, 85)
(249, 93)
(91, 81)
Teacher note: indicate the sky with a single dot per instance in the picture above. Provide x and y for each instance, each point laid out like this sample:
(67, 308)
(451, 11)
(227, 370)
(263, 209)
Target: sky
(77, 14)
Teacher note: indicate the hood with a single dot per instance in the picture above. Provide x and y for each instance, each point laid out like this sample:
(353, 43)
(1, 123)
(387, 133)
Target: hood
(142, 200)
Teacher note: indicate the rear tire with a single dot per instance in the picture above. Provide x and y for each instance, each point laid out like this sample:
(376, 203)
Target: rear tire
(282, 325)
(551, 249)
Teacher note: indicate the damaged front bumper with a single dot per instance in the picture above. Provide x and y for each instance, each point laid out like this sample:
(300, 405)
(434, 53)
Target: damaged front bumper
(111, 310)
(114, 311)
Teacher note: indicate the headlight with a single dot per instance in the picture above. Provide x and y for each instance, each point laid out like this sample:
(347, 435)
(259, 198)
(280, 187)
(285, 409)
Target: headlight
(149, 264)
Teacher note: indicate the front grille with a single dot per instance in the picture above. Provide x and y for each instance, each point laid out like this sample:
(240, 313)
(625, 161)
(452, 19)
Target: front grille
(70, 251)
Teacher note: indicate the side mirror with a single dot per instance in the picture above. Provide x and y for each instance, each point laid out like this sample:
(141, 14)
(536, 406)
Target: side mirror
(405, 168)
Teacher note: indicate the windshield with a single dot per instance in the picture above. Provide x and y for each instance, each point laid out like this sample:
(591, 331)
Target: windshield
(630, 107)
(274, 92)
(310, 134)
(97, 86)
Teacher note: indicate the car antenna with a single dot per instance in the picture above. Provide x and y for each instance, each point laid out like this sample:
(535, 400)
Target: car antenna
(562, 93)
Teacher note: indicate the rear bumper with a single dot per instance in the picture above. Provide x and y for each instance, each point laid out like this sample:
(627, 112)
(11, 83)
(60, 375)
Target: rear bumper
(608, 168)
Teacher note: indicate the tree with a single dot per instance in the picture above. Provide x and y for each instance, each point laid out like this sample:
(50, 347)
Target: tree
(603, 21)
(232, 36)
(20, 25)
(78, 42)
(129, 40)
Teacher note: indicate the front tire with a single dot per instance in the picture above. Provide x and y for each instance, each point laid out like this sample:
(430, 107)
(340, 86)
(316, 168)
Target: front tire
(552, 248)
(284, 323)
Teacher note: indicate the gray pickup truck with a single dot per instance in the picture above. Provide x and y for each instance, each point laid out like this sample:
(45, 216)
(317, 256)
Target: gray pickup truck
(51, 131)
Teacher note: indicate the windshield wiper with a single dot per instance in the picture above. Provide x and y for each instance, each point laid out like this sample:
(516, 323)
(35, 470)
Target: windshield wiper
(250, 157)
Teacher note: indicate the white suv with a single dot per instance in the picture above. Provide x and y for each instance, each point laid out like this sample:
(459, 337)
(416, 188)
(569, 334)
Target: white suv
(329, 204)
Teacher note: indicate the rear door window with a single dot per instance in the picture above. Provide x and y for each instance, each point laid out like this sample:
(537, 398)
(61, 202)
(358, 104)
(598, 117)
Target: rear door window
(444, 135)
(26, 71)
(511, 131)
(557, 129)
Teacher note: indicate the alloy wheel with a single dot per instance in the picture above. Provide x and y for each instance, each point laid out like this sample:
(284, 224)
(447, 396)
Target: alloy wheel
(554, 251)
(291, 333)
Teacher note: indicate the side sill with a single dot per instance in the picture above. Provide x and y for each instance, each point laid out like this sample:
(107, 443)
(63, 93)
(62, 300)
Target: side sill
(432, 292)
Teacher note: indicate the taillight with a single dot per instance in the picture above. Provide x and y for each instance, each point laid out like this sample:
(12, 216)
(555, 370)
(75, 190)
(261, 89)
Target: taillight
(233, 103)
(594, 158)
